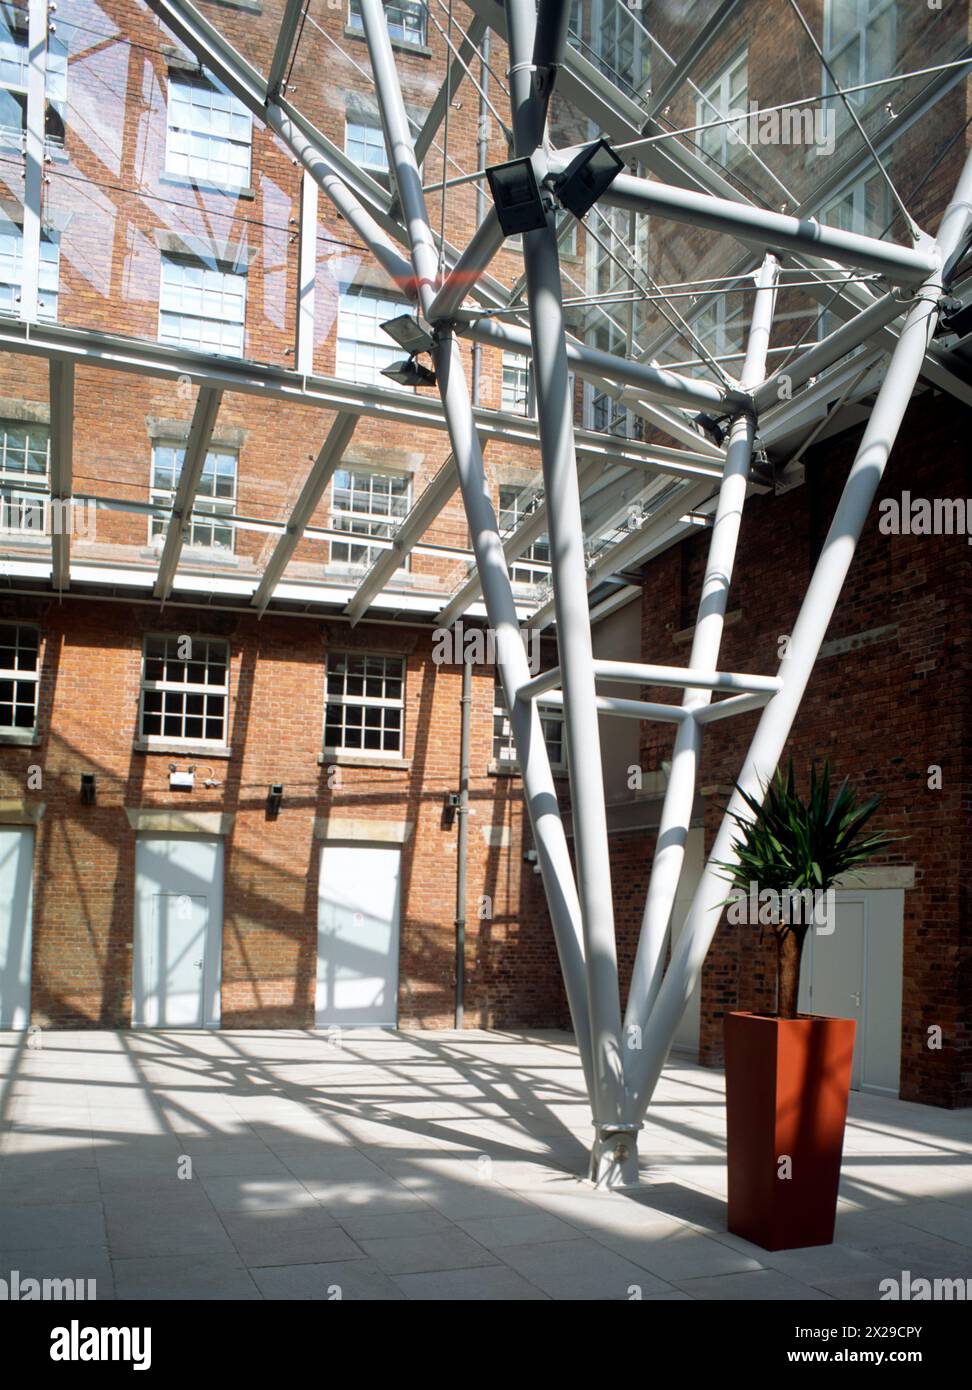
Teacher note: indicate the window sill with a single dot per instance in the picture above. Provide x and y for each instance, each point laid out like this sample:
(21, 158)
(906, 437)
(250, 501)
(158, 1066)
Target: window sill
(183, 750)
(496, 769)
(204, 186)
(334, 757)
(24, 740)
(401, 44)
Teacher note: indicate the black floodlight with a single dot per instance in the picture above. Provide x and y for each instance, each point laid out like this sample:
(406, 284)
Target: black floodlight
(409, 334)
(274, 800)
(587, 176)
(956, 317)
(409, 373)
(88, 791)
(516, 196)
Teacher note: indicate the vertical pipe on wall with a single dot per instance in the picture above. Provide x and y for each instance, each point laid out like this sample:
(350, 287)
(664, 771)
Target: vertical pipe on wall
(462, 846)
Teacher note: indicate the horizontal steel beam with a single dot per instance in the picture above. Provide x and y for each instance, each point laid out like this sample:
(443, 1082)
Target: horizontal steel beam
(736, 704)
(773, 230)
(628, 709)
(143, 357)
(605, 367)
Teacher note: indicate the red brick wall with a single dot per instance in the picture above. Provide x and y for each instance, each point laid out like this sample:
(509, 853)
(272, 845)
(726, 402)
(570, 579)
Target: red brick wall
(884, 714)
(84, 862)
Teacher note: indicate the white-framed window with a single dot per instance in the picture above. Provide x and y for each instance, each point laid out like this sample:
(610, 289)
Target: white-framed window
(364, 142)
(601, 410)
(362, 348)
(24, 466)
(185, 690)
(25, 450)
(516, 384)
(406, 20)
(13, 82)
(621, 46)
(365, 703)
(551, 721)
(515, 505)
(19, 677)
(209, 133)
(865, 207)
(726, 94)
(215, 496)
(859, 46)
(12, 271)
(367, 503)
(720, 326)
(202, 306)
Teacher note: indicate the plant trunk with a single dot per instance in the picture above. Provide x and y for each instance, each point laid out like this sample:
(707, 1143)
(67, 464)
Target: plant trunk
(789, 947)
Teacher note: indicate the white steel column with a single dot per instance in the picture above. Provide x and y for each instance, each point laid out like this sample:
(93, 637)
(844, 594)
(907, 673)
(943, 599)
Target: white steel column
(613, 1155)
(676, 810)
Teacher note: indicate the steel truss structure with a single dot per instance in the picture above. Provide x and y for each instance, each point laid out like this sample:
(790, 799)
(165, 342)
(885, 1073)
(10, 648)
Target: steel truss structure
(622, 1053)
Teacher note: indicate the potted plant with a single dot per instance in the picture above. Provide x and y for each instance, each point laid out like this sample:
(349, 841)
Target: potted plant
(788, 1074)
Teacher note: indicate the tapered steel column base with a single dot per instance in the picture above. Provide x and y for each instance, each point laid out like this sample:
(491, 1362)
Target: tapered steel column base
(614, 1156)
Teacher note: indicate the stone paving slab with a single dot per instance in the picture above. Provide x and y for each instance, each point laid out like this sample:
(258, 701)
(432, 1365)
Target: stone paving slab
(430, 1166)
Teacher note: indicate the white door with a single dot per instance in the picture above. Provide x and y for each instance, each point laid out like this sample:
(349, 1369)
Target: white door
(855, 972)
(178, 930)
(357, 936)
(16, 871)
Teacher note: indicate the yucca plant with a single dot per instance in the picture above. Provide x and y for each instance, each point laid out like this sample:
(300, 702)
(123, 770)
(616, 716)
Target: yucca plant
(796, 846)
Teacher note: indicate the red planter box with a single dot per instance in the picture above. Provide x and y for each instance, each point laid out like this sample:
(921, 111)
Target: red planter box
(787, 1082)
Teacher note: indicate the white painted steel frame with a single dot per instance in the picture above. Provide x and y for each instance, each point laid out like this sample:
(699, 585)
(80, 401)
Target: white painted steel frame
(620, 1080)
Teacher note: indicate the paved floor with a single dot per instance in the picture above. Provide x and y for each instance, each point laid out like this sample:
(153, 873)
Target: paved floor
(386, 1165)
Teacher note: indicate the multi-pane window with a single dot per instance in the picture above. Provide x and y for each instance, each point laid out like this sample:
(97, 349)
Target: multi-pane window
(365, 503)
(406, 20)
(865, 207)
(13, 82)
(215, 496)
(602, 411)
(202, 306)
(365, 143)
(19, 677)
(719, 327)
(24, 457)
(727, 94)
(516, 384)
(515, 504)
(551, 721)
(622, 47)
(185, 689)
(365, 710)
(12, 272)
(209, 134)
(859, 44)
(362, 348)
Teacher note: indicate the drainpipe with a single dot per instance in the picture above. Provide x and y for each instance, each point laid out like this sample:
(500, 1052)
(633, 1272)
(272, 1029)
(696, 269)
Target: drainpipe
(462, 812)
